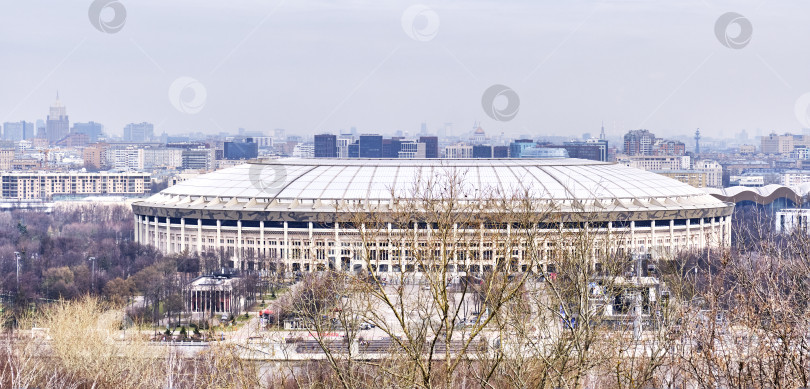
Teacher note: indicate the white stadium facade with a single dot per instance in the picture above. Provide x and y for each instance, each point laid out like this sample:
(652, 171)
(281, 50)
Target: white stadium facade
(302, 214)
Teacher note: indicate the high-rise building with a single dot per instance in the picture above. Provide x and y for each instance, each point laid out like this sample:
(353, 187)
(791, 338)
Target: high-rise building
(241, 150)
(354, 149)
(500, 152)
(91, 129)
(279, 135)
(516, 148)
(593, 149)
(198, 159)
(370, 146)
(139, 132)
(391, 147)
(482, 151)
(639, 142)
(777, 144)
(411, 149)
(459, 150)
(343, 143)
(431, 146)
(18, 130)
(58, 125)
(326, 146)
(40, 130)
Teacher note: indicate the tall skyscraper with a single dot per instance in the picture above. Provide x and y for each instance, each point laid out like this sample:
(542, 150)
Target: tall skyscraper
(370, 146)
(326, 146)
(58, 125)
(139, 132)
(431, 146)
(697, 141)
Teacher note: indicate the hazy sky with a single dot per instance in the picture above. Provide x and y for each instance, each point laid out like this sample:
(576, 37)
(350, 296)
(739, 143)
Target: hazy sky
(312, 66)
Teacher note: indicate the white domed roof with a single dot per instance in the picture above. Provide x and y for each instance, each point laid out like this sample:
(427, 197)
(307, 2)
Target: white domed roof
(321, 183)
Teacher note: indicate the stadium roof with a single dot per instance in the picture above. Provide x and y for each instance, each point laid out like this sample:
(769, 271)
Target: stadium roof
(314, 186)
(373, 179)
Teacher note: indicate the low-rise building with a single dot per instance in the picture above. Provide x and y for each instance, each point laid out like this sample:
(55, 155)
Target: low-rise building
(694, 178)
(48, 185)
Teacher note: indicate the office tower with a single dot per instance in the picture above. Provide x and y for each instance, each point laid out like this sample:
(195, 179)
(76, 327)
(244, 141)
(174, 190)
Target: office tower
(423, 129)
(482, 151)
(18, 130)
(516, 148)
(326, 146)
(593, 149)
(391, 147)
(139, 132)
(40, 130)
(58, 125)
(241, 150)
(197, 159)
(411, 149)
(279, 135)
(354, 149)
(370, 146)
(500, 152)
(91, 129)
(431, 146)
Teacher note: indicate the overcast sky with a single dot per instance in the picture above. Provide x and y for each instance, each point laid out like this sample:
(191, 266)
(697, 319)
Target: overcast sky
(382, 66)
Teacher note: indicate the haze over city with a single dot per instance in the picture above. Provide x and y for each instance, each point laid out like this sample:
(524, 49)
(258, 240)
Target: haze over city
(310, 66)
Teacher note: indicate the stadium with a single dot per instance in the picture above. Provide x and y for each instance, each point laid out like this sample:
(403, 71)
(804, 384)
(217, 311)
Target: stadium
(312, 214)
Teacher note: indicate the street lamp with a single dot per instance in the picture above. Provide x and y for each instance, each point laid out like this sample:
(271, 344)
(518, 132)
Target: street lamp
(92, 274)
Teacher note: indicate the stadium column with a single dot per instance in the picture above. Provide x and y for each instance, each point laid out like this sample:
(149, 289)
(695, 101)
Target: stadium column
(455, 239)
(262, 247)
(286, 247)
(671, 235)
(168, 235)
(481, 248)
(716, 236)
(728, 231)
(182, 234)
(310, 257)
(633, 247)
(199, 236)
(652, 235)
(701, 234)
(689, 243)
(138, 228)
(239, 245)
(338, 248)
(145, 226)
(157, 233)
(219, 236)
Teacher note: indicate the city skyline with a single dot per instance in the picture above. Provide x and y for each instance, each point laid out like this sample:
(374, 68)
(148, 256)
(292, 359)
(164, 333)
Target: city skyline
(258, 66)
